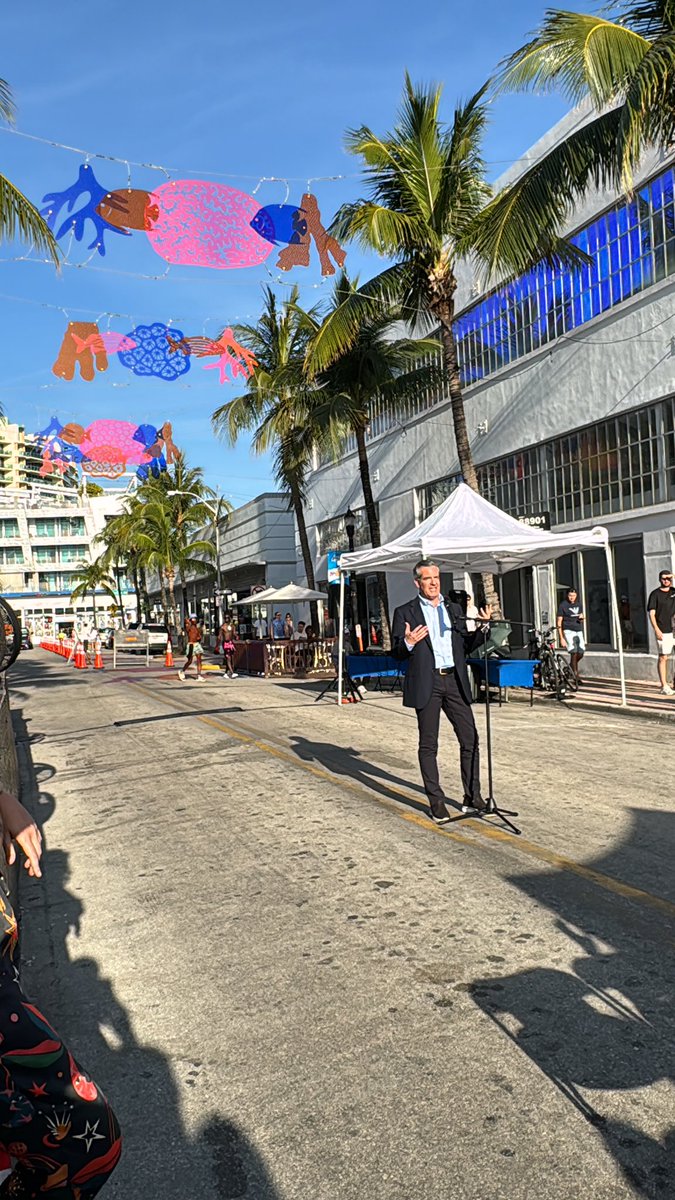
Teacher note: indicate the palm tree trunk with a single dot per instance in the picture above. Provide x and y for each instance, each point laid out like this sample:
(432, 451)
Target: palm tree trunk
(134, 576)
(446, 312)
(144, 593)
(93, 600)
(171, 580)
(165, 603)
(374, 527)
(308, 562)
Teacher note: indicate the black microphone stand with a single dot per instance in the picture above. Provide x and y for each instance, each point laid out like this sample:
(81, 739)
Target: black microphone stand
(492, 808)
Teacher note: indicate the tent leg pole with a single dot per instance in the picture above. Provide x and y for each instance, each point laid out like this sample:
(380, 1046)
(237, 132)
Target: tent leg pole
(617, 623)
(341, 636)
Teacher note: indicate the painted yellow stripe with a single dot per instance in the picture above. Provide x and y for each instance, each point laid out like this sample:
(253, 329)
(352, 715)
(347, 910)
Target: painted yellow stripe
(490, 832)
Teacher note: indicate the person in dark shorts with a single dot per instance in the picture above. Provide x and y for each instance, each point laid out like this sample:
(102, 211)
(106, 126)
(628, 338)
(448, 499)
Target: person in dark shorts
(57, 1129)
(661, 610)
(571, 630)
(227, 634)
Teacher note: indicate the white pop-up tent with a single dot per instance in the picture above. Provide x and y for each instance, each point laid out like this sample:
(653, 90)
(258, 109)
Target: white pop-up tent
(467, 533)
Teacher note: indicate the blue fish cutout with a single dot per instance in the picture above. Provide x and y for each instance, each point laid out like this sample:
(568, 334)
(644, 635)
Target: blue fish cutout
(279, 223)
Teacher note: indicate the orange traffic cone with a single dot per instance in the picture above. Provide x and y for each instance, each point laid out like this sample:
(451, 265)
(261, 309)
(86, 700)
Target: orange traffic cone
(98, 657)
(168, 659)
(80, 660)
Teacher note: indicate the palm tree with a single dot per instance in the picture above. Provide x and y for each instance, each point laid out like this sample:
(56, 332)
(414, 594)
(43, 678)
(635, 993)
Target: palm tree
(623, 68)
(173, 512)
(429, 207)
(373, 364)
(278, 406)
(93, 577)
(18, 217)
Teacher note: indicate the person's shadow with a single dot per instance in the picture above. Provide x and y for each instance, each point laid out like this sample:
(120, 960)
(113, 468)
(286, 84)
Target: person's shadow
(607, 1024)
(161, 1157)
(347, 761)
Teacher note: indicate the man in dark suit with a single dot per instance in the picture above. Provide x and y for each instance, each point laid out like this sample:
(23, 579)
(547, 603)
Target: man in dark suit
(431, 634)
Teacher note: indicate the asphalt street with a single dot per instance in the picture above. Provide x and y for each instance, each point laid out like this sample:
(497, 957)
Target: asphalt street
(293, 986)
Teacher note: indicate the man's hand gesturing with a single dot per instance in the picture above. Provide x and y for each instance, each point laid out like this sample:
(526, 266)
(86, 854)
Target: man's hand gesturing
(413, 636)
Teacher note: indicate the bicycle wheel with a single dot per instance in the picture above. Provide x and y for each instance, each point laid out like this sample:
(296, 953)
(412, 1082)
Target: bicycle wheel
(569, 678)
(548, 673)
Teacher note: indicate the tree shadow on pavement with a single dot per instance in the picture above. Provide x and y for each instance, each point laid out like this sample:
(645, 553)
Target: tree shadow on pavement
(346, 760)
(161, 1156)
(606, 1026)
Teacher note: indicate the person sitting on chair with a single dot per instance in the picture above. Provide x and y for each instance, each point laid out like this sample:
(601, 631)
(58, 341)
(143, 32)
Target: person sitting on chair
(431, 634)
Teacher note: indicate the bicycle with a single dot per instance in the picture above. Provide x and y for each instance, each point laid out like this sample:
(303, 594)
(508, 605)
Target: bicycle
(555, 674)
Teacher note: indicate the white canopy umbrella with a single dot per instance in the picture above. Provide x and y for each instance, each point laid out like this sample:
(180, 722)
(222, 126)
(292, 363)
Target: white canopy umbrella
(467, 533)
(258, 598)
(291, 593)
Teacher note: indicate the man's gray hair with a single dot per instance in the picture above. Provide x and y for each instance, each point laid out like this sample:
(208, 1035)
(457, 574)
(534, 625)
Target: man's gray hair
(424, 562)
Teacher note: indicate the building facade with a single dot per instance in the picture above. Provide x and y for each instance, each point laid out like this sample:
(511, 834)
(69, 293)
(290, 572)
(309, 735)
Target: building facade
(257, 550)
(569, 385)
(46, 534)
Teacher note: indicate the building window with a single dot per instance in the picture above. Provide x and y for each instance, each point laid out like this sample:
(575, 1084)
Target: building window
(57, 527)
(630, 247)
(629, 574)
(606, 468)
(59, 554)
(9, 528)
(54, 581)
(331, 535)
(11, 555)
(431, 495)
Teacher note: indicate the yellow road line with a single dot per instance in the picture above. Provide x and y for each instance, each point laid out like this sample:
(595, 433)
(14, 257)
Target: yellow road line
(530, 849)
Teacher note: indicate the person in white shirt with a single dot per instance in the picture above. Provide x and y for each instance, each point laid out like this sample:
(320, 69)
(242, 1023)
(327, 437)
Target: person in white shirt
(300, 634)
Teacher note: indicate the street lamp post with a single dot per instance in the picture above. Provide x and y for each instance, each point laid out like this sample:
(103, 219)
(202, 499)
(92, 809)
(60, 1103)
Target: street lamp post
(349, 519)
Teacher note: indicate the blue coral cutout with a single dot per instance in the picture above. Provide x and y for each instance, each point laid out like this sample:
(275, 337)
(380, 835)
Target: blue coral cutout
(85, 184)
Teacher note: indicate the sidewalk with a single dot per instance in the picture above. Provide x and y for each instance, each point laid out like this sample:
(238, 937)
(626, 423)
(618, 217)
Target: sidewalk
(643, 698)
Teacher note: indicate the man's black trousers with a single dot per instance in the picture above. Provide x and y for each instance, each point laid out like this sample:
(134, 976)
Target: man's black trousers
(447, 697)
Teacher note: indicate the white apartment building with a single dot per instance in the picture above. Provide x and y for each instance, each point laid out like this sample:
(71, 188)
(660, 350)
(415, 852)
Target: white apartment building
(569, 385)
(46, 533)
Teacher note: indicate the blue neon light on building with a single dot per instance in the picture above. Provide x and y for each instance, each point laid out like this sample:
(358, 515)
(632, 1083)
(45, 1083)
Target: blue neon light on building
(631, 247)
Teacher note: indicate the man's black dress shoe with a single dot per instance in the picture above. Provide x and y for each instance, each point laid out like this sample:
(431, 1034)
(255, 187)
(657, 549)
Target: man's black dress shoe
(475, 806)
(439, 813)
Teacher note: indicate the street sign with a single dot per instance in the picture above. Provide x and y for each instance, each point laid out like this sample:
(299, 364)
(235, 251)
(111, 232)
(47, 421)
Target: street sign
(536, 520)
(332, 565)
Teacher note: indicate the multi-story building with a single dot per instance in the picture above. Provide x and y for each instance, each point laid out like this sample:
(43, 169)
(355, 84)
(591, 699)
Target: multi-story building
(46, 534)
(21, 460)
(569, 384)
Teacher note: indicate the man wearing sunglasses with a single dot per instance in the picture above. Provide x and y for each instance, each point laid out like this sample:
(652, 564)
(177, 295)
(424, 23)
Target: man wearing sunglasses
(661, 609)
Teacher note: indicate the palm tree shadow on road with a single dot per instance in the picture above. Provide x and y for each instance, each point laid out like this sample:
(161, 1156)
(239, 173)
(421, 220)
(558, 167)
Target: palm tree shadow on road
(161, 1157)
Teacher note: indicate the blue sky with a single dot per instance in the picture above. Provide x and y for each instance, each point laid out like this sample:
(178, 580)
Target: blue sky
(211, 90)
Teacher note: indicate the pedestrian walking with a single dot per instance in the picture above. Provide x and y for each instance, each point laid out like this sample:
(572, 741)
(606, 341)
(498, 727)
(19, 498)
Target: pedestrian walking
(431, 633)
(55, 1123)
(661, 610)
(571, 630)
(226, 635)
(195, 652)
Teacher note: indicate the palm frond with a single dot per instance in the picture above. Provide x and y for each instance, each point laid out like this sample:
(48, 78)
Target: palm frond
(20, 219)
(648, 111)
(520, 225)
(578, 54)
(7, 106)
